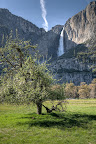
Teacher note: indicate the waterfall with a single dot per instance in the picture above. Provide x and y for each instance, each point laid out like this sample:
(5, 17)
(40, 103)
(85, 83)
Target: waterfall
(61, 44)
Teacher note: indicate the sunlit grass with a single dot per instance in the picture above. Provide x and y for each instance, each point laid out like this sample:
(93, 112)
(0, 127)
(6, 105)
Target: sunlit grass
(21, 124)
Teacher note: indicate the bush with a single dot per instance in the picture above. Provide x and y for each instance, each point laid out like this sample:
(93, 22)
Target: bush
(84, 91)
(71, 91)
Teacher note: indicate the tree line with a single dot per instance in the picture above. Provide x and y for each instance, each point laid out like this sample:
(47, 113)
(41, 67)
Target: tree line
(83, 91)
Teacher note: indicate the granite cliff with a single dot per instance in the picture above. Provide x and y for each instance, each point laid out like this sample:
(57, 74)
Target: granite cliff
(48, 44)
(77, 30)
(26, 29)
(80, 29)
(79, 35)
(71, 70)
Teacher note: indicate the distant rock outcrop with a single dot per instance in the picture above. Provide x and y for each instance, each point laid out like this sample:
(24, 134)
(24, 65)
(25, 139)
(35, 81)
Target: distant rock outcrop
(26, 29)
(81, 27)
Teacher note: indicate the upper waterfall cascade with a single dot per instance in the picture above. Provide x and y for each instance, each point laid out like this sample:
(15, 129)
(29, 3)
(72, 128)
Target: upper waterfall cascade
(61, 44)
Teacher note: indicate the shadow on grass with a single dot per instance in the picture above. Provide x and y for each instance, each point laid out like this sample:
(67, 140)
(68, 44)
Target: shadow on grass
(60, 120)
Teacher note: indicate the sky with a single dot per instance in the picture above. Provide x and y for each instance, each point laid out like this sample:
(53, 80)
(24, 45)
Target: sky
(45, 13)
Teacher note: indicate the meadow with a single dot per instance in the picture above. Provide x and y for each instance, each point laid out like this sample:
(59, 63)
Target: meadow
(21, 124)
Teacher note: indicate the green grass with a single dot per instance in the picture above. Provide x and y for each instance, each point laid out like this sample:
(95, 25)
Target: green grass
(21, 124)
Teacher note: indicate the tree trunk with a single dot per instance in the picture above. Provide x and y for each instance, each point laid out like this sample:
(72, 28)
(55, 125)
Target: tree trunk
(39, 107)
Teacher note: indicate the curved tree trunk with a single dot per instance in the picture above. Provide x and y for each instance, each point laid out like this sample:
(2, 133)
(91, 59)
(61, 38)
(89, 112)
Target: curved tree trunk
(39, 107)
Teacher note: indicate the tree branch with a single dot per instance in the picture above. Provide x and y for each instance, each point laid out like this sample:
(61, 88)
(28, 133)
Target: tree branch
(55, 107)
(8, 61)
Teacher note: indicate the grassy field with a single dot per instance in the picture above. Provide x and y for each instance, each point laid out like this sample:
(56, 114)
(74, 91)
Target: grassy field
(21, 124)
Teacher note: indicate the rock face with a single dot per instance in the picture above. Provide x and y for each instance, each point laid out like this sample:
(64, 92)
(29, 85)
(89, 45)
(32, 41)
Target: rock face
(71, 70)
(26, 29)
(48, 44)
(80, 27)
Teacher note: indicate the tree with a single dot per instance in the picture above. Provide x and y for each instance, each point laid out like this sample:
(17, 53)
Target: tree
(71, 91)
(25, 79)
(84, 91)
(92, 87)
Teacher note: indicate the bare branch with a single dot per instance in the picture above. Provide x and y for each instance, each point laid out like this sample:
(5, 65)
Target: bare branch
(56, 107)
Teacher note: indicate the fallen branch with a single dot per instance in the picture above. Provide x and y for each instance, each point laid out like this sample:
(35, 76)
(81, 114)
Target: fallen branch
(62, 105)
